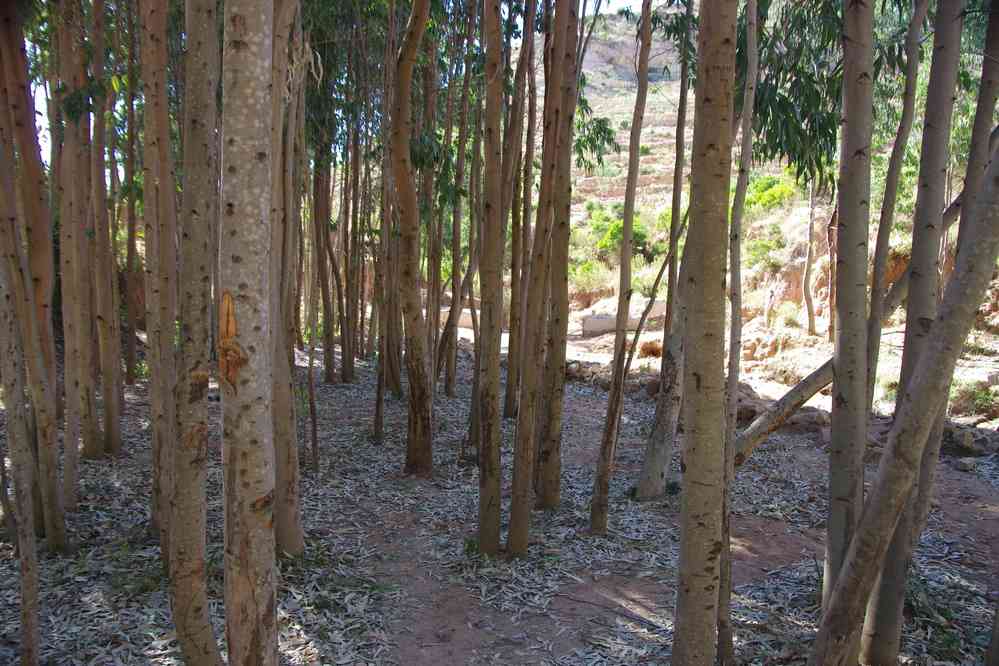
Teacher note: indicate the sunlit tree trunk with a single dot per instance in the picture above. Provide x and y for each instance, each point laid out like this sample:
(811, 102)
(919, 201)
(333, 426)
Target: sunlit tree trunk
(704, 333)
(806, 278)
(849, 404)
(419, 451)
(883, 629)
(245, 322)
(190, 451)
(608, 443)
(132, 270)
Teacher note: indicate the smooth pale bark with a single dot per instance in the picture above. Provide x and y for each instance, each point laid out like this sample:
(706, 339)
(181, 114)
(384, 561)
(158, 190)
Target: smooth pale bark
(913, 36)
(806, 278)
(245, 322)
(549, 440)
(916, 412)
(12, 369)
(848, 432)
(491, 277)
(190, 451)
(726, 648)
(882, 631)
(419, 444)
(608, 443)
(105, 273)
(659, 447)
(704, 338)
(524, 446)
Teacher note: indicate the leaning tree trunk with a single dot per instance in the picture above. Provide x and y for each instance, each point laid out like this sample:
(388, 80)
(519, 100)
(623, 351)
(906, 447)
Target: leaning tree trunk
(879, 289)
(849, 410)
(190, 452)
(916, 411)
(659, 446)
(704, 333)
(245, 320)
(882, 632)
(419, 444)
(726, 647)
(608, 443)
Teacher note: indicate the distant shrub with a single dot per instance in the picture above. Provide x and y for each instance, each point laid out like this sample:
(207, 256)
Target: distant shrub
(644, 151)
(763, 250)
(769, 192)
(590, 275)
(974, 399)
(626, 124)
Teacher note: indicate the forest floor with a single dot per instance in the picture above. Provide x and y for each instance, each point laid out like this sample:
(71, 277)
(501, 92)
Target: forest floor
(391, 573)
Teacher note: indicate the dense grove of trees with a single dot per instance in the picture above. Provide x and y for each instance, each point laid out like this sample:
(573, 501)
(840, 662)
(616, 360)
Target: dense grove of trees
(240, 179)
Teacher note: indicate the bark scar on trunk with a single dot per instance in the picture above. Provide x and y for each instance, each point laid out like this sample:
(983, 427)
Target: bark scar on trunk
(231, 355)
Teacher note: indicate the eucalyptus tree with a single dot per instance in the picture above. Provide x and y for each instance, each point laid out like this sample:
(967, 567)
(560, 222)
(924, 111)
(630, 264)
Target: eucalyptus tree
(245, 322)
(189, 585)
(608, 444)
(704, 332)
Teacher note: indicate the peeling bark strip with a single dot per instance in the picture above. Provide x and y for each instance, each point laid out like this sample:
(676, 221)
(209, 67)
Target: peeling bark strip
(231, 355)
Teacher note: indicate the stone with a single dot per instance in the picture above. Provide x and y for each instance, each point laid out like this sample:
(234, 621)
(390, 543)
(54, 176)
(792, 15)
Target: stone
(965, 464)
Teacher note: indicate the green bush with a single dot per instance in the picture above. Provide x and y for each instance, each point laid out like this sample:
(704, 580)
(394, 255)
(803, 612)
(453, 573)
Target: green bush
(769, 192)
(763, 250)
(644, 151)
(590, 275)
(626, 124)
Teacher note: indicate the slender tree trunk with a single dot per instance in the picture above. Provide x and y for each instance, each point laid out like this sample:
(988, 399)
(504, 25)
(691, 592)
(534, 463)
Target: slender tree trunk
(419, 445)
(849, 404)
(726, 647)
(806, 278)
(245, 320)
(915, 415)
(833, 258)
(131, 255)
(879, 289)
(883, 629)
(608, 444)
(13, 373)
(190, 452)
(549, 439)
(104, 275)
(659, 447)
(703, 458)
(160, 189)
(524, 451)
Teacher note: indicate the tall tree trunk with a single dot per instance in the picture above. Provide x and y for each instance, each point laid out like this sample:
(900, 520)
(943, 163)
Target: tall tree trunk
(320, 221)
(524, 451)
(549, 439)
(849, 405)
(879, 288)
(287, 508)
(704, 335)
(419, 445)
(131, 255)
(245, 320)
(726, 647)
(883, 629)
(190, 451)
(491, 277)
(160, 194)
(104, 275)
(12, 369)
(35, 332)
(659, 447)
(916, 412)
(608, 443)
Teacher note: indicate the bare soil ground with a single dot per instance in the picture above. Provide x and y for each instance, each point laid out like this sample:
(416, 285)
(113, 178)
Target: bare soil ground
(391, 573)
